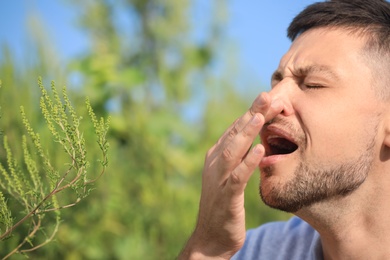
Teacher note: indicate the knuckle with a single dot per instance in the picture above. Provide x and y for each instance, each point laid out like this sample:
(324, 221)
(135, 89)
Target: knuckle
(227, 154)
(256, 108)
(249, 163)
(252, 111)
(233, 132)
(209, 152)
(235, 178)
(245, 132)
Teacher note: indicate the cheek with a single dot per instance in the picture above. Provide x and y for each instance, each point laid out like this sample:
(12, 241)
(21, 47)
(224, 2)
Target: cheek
(338, 123)
(334, 133)
(335, 143)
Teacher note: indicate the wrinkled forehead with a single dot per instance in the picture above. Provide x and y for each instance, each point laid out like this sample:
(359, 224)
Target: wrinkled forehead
(325, 47)
(342, 52)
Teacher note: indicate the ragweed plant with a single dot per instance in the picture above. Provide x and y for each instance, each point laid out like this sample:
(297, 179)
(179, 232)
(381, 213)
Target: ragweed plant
(31, 187)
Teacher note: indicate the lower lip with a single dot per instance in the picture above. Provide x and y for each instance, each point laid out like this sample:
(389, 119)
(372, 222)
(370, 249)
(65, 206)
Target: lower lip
(271, 160)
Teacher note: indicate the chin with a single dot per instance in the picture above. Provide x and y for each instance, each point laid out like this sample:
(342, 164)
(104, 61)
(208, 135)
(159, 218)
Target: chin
(275, 190)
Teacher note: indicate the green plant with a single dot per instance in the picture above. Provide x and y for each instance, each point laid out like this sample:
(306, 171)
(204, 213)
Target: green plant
(31, 190)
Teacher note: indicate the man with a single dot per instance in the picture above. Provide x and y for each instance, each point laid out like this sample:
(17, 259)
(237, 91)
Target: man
(325, 152)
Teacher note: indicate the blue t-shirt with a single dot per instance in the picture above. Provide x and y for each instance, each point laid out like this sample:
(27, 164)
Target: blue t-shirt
(291, 240)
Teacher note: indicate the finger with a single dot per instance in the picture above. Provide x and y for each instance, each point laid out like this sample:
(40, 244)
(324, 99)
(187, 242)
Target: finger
(240, 175)
(235, 151)
(276, 107)
(231, 131)
(260, 105)
(247, 151)
(264, 105)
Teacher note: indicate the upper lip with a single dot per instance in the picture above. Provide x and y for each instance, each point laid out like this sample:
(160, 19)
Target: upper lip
(275, 130)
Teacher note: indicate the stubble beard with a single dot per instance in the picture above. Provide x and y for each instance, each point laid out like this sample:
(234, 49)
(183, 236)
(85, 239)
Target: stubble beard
(311, 185)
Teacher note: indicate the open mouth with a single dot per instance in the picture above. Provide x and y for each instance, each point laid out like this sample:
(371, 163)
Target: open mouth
(279, 145)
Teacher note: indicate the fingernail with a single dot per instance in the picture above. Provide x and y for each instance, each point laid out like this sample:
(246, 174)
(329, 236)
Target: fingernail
(255, 120)
(276, 103)
(257, 149)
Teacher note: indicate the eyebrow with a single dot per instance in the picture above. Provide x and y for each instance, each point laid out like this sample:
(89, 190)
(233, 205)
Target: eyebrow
(304, 71)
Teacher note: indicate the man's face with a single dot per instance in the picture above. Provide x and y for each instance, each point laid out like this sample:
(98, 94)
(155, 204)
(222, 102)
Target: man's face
(326, 140)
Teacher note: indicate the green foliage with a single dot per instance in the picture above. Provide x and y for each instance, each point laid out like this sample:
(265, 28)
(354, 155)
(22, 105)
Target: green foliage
(151, 76)
(36, 187)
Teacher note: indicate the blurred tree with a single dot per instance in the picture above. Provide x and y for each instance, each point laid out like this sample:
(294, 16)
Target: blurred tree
(144, 73)
(169, 102)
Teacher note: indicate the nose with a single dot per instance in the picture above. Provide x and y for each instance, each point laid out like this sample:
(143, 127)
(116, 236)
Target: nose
(283, 91)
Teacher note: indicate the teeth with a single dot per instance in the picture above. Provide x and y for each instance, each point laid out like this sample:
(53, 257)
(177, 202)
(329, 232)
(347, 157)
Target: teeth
(274, 139)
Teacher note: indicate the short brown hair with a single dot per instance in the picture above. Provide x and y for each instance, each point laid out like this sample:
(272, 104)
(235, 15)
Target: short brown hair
(368, 18)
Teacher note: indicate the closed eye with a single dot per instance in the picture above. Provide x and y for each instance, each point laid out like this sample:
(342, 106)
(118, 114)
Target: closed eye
(313, 86)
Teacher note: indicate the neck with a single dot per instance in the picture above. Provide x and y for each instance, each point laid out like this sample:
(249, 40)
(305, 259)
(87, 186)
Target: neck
(353, 227)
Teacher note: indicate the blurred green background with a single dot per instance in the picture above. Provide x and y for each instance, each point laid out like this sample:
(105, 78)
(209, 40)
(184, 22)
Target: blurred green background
(170, 96)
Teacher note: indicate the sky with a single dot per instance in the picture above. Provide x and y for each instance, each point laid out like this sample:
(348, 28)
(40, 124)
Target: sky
(257, 29)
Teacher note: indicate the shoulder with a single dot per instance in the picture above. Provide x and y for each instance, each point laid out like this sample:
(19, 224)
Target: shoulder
(293, 239)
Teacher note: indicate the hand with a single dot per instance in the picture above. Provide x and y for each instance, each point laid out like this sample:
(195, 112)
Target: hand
(220, 230)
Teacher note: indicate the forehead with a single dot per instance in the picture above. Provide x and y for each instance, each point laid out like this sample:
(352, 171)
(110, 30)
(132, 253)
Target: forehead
(331, 50)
